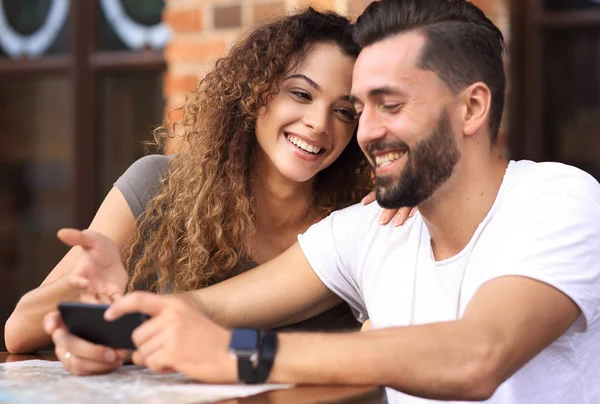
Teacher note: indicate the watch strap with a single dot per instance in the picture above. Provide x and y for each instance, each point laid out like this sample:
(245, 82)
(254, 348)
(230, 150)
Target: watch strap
(246, 370)
(256, 368)
(268, 349)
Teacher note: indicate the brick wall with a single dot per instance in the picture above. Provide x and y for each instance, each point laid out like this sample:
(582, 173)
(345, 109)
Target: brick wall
(203, 29)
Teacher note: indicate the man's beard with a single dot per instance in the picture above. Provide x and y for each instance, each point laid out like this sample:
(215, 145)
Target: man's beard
(429, 165)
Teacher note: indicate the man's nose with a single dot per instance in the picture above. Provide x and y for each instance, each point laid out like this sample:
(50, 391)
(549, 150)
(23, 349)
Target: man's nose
(370, 128)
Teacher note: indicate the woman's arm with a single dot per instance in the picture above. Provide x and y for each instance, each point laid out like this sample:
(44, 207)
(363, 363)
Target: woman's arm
(282, 291)
(23, 331)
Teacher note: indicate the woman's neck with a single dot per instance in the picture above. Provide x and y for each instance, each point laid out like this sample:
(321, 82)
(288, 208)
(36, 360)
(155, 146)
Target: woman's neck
(281, 205)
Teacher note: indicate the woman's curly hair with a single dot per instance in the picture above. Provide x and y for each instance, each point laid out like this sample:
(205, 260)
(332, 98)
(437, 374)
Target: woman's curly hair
(198, 229)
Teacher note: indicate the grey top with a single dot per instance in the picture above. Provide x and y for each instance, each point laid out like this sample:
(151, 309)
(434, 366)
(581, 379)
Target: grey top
(140, 183)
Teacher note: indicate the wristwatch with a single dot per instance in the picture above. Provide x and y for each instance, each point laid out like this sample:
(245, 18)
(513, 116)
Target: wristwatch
(255, 351)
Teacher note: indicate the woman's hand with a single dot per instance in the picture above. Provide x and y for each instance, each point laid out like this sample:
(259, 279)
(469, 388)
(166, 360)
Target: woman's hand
(177, 338)
(99, 272)
(399, 216)
(101, 278)
(79, 356)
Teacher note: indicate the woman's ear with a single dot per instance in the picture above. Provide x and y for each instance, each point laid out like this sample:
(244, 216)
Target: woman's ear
(476, 100)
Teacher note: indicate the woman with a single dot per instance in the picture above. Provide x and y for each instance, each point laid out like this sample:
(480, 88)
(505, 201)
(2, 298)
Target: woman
(267, 149)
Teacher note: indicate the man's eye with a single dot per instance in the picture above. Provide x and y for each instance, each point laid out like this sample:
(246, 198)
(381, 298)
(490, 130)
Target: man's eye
(301, 94)
(391, 107)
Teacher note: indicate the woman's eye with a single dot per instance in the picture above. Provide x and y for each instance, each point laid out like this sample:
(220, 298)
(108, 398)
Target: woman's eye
(301, 94)
(347, 113)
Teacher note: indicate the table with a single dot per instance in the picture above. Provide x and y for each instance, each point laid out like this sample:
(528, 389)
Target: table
(296, 395)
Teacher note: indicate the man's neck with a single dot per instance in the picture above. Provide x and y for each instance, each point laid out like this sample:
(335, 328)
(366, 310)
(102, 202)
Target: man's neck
(462, 203)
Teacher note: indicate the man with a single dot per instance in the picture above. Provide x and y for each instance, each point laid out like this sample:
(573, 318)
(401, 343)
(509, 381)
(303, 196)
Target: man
(491, 292)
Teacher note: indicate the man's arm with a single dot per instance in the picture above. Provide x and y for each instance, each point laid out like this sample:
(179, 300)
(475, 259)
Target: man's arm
(282, 291)
(465, 359)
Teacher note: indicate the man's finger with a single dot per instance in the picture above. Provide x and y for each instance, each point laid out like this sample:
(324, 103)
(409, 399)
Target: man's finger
(158, 362)
(151, 344)
(149, 330)
(144, 302)
(138, 359)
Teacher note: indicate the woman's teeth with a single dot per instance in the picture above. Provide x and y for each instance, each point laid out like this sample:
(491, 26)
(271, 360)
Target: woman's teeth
(388, 159)
(303, 145)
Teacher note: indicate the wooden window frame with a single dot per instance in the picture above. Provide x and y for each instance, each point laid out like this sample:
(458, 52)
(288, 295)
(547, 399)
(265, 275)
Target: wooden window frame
(82, 64)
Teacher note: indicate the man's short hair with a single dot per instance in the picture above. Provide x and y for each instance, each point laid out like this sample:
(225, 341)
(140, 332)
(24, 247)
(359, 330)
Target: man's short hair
(463, 45)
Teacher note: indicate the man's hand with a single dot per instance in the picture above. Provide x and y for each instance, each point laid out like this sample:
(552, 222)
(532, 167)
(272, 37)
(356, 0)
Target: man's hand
(396, 216)
(79, 356)
(177, 338)
(99, 272)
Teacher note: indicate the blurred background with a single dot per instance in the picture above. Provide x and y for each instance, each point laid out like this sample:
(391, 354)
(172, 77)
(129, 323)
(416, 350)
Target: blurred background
(84, 82)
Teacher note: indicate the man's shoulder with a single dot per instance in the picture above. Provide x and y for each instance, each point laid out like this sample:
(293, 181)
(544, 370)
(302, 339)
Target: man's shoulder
(538, 179)
(359, 213)
(359, 225)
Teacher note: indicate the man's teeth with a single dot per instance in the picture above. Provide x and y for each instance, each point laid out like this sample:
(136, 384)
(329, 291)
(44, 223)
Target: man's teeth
(387, 159)
(303, 145)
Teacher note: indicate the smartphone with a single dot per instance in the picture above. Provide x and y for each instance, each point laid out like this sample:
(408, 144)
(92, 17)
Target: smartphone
(87, 321)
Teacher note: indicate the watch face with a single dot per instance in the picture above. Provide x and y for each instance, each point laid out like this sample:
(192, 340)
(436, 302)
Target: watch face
(243, 339)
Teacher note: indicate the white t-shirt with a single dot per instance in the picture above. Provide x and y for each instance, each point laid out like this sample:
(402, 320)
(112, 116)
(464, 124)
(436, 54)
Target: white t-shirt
(544, 224)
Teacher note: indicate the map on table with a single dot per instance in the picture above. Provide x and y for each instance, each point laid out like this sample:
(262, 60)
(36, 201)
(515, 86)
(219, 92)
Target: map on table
(39, 381)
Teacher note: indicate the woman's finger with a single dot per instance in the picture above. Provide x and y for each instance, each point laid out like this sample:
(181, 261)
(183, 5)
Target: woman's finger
(386, 216)
(124, 354)
(103, 298)
(72, 237)
(114, 295)
(82, 275)
(401, 217)
(370, 197)
(78, 281)
(81, 348)
(81, 366)
(89, 298)
(52, 321)
(412, 212)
